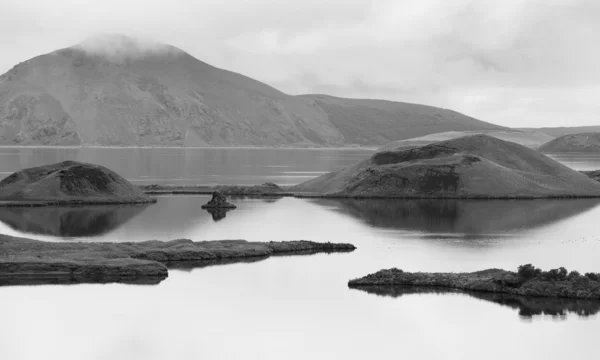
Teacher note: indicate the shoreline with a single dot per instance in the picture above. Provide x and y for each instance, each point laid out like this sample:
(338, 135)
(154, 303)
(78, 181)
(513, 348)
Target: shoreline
(43, 203)
(256, 191)
(26, 261)
(528, 281)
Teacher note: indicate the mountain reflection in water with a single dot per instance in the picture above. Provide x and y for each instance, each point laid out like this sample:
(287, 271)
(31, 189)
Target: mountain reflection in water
(529, 307)
(78, 221)
(460, 217)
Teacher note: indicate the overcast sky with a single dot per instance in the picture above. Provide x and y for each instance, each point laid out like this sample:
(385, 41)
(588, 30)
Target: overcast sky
(514, 63)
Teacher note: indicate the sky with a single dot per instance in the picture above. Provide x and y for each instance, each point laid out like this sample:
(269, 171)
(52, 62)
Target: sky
(518, 63)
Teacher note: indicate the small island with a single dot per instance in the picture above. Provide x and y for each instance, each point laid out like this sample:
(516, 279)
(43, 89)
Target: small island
(69, 183)
(27, 261)
(526, 281)
(218, 202)
(469, 167)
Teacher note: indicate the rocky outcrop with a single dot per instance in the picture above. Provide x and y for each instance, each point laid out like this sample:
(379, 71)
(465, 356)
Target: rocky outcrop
(527, 281)
(476, 166)
(573, 143)
(32, 261)
(218, 201)
(69, 182)
(165, 96)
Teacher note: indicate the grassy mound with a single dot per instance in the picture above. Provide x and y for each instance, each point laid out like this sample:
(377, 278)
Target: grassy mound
(585, 143)
(476, 166)
(70, 182)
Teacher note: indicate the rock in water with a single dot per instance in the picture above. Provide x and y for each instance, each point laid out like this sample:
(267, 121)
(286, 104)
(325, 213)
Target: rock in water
(218, 201)
(70, 182)
(477, 166)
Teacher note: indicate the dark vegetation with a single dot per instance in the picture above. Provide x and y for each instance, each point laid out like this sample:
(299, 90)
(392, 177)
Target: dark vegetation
(529, 272)
(527, 281)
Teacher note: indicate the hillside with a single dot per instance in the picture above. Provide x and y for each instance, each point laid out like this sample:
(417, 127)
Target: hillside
(586, 142)
(70, 181)
(531, 139)
(161, 95)
(476, 166)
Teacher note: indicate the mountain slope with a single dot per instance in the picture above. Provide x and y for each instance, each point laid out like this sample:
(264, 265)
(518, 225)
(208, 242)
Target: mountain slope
(468, 167)
(160, 95)
(586, 142)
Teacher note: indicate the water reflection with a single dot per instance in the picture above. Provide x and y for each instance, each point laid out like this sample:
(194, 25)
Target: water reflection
(467, 218)
(528, 307)
(217, 214)
(86, 221)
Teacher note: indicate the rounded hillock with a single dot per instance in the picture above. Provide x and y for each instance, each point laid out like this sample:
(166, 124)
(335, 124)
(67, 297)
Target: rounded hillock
(476, 166)
(70, 182)
(585, 142)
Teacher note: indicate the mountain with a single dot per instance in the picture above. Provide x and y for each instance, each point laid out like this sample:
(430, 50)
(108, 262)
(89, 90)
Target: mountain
(560, 131)
(476, 166)
(114, 90)
(531, 139)
(586, 142)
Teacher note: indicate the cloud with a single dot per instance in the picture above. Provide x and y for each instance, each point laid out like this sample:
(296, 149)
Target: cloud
(513, 62)
(117, 47)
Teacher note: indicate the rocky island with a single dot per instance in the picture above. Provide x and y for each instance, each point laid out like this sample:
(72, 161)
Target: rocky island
(27, 261)
(218, 201)
(527, 281)
(68, 183)
(573, 143)
(475, 166)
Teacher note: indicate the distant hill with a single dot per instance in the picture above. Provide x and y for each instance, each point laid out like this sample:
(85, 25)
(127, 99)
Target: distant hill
(531, 139)
(586, 142)
(114, 90)
(560, 131)
(468, 167)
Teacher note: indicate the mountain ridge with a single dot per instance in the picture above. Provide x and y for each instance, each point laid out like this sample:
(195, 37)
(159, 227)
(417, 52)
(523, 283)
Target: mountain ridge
(160, 95)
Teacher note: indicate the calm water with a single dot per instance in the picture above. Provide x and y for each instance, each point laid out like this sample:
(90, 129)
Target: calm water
(193, 166)
(300, 307)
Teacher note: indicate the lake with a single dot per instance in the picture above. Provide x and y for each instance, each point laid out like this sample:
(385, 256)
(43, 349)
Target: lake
(299, 307)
